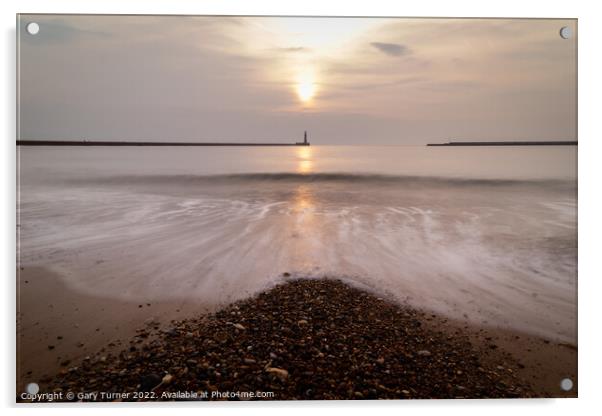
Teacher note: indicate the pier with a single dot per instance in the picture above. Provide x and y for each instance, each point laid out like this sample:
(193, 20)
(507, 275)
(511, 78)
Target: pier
(305, 142)
(509, 143)
(135, 143)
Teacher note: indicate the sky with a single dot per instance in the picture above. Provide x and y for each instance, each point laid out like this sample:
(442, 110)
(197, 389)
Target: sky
(344, 80)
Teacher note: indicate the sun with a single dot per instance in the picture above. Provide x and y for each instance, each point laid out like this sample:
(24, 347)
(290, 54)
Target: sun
(306, 88)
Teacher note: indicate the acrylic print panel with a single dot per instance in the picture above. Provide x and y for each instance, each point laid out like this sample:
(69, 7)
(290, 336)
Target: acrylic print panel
(278, 208)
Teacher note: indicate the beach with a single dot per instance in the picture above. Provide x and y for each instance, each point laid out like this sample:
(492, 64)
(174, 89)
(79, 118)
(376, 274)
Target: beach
(110, 242)
(303, 339)
(295, 208)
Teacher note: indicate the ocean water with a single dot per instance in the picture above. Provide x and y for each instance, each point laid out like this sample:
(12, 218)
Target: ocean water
(483, 234)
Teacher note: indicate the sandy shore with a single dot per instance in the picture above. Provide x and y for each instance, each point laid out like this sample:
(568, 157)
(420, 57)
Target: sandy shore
(309, 339)
(57, 327)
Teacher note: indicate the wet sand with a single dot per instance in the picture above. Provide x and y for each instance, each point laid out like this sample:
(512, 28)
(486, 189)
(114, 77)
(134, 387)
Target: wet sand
(59, 329)
(57, 326)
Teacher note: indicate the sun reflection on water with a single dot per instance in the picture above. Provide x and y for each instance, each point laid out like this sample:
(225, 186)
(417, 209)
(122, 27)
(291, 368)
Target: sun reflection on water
(303, 199)
(305, 161)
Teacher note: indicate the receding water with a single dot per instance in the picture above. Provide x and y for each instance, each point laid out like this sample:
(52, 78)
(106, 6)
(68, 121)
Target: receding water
(487, 234)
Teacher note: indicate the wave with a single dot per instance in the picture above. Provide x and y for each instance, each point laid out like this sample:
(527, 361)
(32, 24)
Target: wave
(490, 256)
(340, 177)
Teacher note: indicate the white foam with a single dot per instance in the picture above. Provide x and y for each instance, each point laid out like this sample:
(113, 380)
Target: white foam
(502, 257)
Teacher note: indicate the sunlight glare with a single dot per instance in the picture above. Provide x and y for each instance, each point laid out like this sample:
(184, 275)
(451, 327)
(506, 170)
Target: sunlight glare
(306, 88)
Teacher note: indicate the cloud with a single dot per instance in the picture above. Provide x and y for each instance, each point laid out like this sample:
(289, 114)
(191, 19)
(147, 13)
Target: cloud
(294, 49)
(152, 77)
(391, 49)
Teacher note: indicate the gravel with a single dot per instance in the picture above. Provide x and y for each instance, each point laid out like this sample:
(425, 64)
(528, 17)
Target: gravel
(304, 339)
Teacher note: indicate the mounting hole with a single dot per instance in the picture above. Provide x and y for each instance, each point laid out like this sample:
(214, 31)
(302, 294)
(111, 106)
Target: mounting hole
(32, 388)
(566, 32)
(566, 384)
(33, 28)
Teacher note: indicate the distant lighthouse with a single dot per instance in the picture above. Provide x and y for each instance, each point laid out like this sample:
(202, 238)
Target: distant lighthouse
(304, 142)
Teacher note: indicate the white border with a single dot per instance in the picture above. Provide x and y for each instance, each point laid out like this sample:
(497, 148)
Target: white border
(590, 288)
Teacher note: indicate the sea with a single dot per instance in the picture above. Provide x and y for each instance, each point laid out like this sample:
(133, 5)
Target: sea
(486, 235)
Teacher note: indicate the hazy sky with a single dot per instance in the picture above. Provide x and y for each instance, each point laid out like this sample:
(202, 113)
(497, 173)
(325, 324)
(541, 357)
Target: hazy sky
(345, 80)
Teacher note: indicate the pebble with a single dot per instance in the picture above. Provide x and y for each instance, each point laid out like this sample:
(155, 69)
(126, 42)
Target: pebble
(149, 381)
(346, 339)
(280, 372)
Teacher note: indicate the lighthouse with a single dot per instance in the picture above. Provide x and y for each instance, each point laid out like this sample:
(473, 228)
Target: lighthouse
(304, 142)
